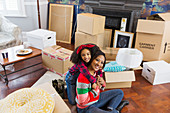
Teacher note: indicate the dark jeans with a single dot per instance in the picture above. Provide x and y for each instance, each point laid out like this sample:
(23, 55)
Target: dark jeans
(108, 99)
(71, 87)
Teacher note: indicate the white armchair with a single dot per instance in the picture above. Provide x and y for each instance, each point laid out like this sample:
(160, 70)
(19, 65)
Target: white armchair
(10, 34)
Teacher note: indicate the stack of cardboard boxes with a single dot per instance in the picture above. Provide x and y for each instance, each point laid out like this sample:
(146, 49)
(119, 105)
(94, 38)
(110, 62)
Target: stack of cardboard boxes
(153, 40)
(90, 29)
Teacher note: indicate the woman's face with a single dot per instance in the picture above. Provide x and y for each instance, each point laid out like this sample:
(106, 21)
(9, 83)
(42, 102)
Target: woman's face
(98, 63)
(86, 55)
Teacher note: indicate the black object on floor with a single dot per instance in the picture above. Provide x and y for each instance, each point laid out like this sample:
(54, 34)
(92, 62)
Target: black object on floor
(59, 87)
(122, 104)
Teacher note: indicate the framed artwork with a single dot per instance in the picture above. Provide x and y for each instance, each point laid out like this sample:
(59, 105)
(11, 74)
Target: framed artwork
(123, 39)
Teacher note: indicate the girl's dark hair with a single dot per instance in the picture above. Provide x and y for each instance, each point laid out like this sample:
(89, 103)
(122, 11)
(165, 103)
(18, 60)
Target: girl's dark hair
(76, 58)
(99, 52)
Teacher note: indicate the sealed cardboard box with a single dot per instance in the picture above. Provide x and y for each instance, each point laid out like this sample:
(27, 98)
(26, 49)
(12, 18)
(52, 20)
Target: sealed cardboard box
(156, 72)
(57, 59)
(90, 23)
(152, 37)
(121, 79)
(60, 105)
(41, 38)
(83, 38)
(110, 53)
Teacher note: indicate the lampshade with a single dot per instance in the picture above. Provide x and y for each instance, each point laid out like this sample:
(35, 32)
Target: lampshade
(129, 57)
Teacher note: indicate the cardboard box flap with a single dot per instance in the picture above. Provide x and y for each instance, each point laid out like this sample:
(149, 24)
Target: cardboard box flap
(51, 49)
(123, 76)
(109, 50)
(158, 66)
(92, 15)
(60, 105)
(160, 17)
(150, 26)
(58, 51)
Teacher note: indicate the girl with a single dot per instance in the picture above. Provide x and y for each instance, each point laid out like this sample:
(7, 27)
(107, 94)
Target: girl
(90, 100)
(80, 57)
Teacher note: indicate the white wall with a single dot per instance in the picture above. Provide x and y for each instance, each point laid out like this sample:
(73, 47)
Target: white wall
(30, 22)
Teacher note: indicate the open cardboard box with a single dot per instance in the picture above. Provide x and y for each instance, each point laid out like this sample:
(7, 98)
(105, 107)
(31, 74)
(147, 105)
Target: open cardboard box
(121, 79)
(153, 37)
(110, 53)
(57, 59)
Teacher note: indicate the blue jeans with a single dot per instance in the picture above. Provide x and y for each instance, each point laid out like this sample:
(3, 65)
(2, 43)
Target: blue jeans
(108, 99)
(71, 87)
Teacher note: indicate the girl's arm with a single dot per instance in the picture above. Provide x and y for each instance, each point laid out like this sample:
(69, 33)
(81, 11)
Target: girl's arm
(73, 69)
(100, 73)
(83, 70)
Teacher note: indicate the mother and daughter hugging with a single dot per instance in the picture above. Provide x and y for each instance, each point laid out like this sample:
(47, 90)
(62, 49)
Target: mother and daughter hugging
(85, 83)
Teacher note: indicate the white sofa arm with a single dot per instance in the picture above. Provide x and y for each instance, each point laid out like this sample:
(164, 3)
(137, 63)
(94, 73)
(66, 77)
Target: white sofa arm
(6, 25)
(9, 27)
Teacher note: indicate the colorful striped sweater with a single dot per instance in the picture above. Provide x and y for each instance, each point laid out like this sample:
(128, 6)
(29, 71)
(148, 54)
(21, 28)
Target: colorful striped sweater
(85, 94)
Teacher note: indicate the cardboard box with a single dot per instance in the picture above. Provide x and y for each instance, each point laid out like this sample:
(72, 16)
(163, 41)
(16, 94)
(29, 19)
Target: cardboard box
(83, 38)
(57, 59)
(107, 37)
(152, 37)
(41, 38)
(110, 53)
(156, 72)
(60, 105)
(121, 79)
(90, 23)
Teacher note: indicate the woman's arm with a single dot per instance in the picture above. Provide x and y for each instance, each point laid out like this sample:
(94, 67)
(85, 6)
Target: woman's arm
(83, 70)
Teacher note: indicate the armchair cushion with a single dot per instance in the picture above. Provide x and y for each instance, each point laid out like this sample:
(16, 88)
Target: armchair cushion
(6, 38)
(10, 34)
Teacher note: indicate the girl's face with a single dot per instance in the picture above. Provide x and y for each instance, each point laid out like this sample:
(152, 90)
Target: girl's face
(98, 63)
(86, 55)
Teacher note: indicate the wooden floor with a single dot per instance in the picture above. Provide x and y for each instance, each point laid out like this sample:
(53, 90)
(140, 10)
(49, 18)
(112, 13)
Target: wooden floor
(143, 97)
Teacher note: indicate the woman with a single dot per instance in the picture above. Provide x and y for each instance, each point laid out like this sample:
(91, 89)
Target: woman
(90, 100)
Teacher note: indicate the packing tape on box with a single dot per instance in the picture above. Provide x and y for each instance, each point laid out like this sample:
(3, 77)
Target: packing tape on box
(55, 57)
(52, 70)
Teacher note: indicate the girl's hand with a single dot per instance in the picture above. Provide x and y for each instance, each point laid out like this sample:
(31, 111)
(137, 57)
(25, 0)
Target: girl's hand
(94, 86)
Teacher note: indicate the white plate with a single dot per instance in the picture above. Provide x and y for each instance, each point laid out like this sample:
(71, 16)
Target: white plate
(24, 51)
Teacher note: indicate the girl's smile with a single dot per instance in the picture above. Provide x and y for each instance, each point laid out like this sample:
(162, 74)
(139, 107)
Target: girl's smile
(85, 55)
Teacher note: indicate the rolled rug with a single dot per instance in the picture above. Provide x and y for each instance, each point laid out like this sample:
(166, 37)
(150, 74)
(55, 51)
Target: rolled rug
(27, 100)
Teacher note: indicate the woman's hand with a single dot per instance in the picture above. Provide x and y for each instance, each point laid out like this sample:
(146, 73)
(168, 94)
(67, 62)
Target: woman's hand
(101, 80)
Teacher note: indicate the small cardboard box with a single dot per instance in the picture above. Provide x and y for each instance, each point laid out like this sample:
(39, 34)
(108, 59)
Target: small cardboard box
(60, 105)
(41, 38)
(121, 79)
(110, 53)
(90, 23)
(83, 38)
(152, 37)
(156, 72)
(57, 59)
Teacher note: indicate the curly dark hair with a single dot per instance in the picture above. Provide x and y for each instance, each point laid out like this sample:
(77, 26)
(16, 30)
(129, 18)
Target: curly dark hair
(76, 58)
(98, 52)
